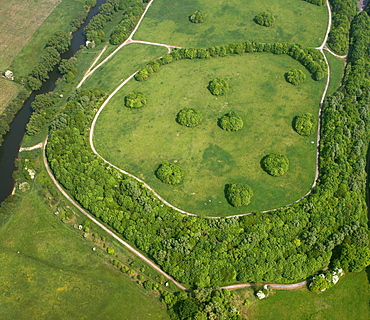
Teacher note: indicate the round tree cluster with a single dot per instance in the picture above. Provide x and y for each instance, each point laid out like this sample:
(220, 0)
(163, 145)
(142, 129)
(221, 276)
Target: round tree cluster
(198, 16)
(238, 194)
(189, 117)
(304, 124)
(275, 164)
(231, 122)
(295, 76)
(170, 173)
(264, 19)
(218, 86)
(135, 100)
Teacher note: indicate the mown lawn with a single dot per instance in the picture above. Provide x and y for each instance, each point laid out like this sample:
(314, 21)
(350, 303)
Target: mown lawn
(48, 271)
(349, 299)
(232, 21)
(139, 140)
(336, 72)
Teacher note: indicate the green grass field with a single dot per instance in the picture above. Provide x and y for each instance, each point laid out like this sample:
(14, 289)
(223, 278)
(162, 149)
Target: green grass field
(349, 299)
(232, 21)
(49, 272)
(124, 63)
(336, 72)
(9, 90)
(139, 140)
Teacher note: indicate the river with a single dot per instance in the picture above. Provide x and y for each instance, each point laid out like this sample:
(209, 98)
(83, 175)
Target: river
(12, 140)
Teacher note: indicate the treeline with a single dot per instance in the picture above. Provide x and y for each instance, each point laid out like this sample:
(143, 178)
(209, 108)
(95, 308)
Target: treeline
(94, 31)
(311, 59)
(343, 12)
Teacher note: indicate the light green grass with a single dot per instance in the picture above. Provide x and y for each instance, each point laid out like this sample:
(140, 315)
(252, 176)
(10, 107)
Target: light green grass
(232, 21)
(48, 271)
(139, 140)
(124, 63)
(58, 20)
(336, 72)
(348, 299)
(9, 91)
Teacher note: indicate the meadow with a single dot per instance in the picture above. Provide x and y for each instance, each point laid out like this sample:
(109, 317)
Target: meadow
(232, 21)
(9, 90)
(139, 140)
(336, 72)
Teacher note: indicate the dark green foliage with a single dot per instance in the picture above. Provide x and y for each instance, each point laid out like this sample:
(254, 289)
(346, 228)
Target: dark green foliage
(275, 164)
(354, 258)
(33, 84)
(198, 16)
(48, 60)
(60, 41)
(304, 124)
(189, 117)
(218, 86)
(170, 173)
(295, 76)
(317, 2)
(67, 65)
(231, 122)
(264, 19)
(238, 194)
(135, 100)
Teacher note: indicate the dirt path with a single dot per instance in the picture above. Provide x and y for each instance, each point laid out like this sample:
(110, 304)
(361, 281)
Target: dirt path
(36, 146)
(272, 285)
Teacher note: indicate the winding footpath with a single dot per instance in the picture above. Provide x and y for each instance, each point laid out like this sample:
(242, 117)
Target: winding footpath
(91, 70)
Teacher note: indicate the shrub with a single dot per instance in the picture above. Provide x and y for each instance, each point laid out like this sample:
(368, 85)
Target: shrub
(170, 173)
(231, 122)
(264, 19)
(238, 194)
(218, 86)
(189, 117)
(275, 164)
(135, 100)
(198, 16)
(295, 76)
(304, 124)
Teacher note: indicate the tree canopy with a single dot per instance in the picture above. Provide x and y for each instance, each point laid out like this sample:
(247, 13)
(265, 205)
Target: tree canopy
(218, 86)
(275, 164)
(295, 76)
(170, 173)
(135, 99)
(264, 19)
(231, 122)
(304, 124)
(198, 16)
(189, 117)
(238, 194)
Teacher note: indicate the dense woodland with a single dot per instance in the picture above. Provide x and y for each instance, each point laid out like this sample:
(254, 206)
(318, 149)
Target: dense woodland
(287, 245)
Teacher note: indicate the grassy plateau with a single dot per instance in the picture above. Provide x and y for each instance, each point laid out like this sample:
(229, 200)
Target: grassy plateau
(139, 140)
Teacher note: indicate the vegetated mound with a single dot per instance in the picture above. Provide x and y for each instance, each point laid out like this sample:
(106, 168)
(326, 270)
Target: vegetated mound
(170, 173)
(304, 124)
(264, 19)
(275, 164)
(231, 122)
(218, 86)
(295, 76)
(189, 117)
(198, 16)
(238, 194)
(135, 99)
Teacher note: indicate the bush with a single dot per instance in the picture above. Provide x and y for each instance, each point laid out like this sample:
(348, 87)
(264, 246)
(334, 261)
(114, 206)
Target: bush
(317, 2)
(295, 76)
(135, 100)
(275, 164)
(218, 86)
(264, 19)
(198, 16)
(304, 124)
(170, 173)
(189, 117)
(238, 194)
(231, 122)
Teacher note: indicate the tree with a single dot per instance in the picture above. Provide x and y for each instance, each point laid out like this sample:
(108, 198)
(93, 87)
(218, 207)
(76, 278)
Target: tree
(189, 117)
(170, 173)
(218, 86)
(264, 19)
(275, 164)
(231, 122)
(295, 76)
(60, 41)
(198, 16)
(304, 124)
(135, 100)
(238, 194)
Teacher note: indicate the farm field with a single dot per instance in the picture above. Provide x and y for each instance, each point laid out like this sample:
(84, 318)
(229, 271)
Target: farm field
(128, 60)
(349, 299)
(49, 272)
(232, 21)
(139, 140)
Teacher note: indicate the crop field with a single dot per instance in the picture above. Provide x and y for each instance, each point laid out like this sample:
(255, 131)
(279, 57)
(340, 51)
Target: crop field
(9, 91)
(139, 140)
(49, 272)
(128, 60)
(232, 21)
